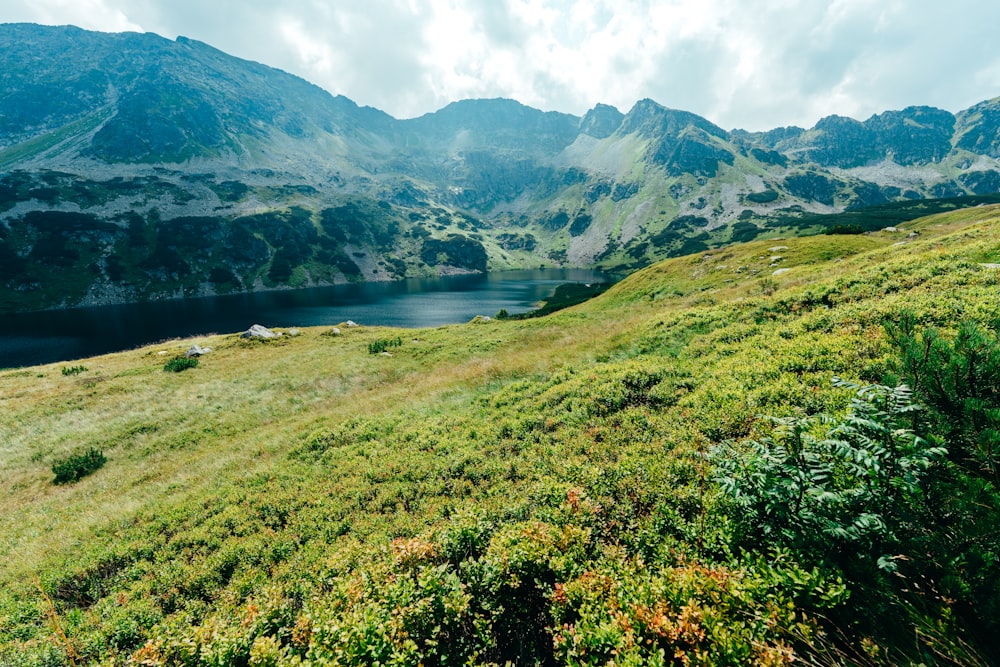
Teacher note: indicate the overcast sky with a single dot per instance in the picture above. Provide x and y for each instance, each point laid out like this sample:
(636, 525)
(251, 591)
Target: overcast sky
(754, 64)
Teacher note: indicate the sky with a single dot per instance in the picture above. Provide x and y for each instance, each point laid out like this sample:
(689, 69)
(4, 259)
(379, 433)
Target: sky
(751, 64)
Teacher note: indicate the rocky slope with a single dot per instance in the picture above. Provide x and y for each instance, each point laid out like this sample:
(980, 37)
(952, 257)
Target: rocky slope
(139, 167)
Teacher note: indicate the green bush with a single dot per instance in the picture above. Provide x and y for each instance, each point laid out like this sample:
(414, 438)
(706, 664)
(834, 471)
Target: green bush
(178, 364)
(73, 370)
(844, 229)
(77, 466)
(382, 344)
(835, 498)
(958, 378)
(960, 381)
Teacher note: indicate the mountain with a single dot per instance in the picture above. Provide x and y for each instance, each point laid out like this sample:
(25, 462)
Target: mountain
(141, 167)
(712, 463)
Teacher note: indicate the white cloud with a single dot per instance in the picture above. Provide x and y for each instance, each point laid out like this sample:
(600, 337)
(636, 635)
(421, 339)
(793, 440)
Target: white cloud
(89, 14)
(313, 54)
(755, 65)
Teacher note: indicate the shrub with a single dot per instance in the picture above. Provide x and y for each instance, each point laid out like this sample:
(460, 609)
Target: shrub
(848, 496)
(73, 370)
(178, 364)
(960, 381)
(77, 466)
(841, 497)
(850, 228)
(380, 345)
(958, 378)
(764, 197)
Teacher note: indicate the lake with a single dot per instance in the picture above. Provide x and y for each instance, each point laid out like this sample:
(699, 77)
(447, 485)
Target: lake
(28, 339)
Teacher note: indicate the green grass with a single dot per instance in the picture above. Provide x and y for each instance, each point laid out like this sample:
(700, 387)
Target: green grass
(522, 491)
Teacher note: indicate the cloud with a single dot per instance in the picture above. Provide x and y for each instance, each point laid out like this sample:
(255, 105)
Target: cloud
(372, 49)
(754, 65)
(89, 14)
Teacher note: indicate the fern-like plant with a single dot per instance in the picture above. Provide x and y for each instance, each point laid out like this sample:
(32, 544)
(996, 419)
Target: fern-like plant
(828, 488)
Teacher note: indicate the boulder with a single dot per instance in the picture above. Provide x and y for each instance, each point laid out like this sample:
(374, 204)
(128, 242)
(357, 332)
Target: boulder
(196, 351)
(351, 324)
(258, 331)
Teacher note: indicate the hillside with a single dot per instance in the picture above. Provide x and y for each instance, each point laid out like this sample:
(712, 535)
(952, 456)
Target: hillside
(602, 484)
(143, 168)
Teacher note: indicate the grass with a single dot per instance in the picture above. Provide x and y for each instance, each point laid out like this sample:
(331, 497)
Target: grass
(44, 142)
(277, 500)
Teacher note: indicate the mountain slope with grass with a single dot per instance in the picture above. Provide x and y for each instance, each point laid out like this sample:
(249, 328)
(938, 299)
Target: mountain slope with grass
(144, 168)
(713, 462)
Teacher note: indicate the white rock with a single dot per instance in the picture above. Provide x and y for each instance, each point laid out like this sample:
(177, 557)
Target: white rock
(258, 331)
(778, 272)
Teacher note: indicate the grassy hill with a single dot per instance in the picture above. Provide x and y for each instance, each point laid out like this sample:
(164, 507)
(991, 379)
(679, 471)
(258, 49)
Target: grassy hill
(602, 484)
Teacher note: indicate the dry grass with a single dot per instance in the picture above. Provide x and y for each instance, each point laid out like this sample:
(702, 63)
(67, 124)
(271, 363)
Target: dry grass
(178, 433)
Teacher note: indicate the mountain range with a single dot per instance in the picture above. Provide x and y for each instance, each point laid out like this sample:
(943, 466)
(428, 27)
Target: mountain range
(134, 167)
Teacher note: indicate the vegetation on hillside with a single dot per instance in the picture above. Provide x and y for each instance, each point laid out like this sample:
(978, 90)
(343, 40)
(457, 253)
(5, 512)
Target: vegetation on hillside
(782, 452)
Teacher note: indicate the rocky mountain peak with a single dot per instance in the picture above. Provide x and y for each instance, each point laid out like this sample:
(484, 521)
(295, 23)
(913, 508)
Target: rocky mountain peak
(601, 121)
(651, 119)
(978, 128)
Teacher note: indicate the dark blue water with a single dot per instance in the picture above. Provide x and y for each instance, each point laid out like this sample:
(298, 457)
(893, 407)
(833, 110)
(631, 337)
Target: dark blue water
(38, 338)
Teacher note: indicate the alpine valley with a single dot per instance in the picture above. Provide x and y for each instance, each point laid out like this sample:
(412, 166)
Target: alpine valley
(776, 452)
(133, 167)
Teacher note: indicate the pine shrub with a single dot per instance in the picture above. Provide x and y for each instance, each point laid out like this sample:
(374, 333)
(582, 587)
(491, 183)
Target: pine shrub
(178, 364)
(381, 345)
(77, 466)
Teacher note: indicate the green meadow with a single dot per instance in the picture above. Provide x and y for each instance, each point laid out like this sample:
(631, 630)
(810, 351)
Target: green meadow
(780, 452)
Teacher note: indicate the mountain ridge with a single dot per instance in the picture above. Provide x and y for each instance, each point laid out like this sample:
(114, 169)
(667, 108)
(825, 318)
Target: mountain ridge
(127, 126)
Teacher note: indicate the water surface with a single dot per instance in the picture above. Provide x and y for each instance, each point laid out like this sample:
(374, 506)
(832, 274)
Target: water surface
(38, 338)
